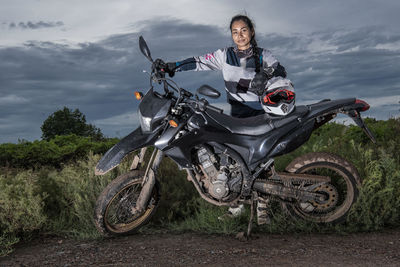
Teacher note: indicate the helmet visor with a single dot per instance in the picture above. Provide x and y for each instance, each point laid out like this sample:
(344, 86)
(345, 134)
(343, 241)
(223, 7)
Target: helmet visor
(277, 97)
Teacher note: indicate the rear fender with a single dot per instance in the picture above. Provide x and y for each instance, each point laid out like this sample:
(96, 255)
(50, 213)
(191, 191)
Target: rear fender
(113, 157)
(329, 106)
(354, 110)
(350, 106)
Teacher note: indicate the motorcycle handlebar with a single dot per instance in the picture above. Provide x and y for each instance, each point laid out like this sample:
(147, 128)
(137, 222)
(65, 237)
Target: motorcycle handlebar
(159, 76)
(213, 108)
(202, 105)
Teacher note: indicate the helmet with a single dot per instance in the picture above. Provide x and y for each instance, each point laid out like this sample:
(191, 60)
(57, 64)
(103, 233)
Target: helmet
(279, 98)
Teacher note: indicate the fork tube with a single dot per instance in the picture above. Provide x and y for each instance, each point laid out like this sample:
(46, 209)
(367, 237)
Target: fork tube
(149, 180)
(138, 159)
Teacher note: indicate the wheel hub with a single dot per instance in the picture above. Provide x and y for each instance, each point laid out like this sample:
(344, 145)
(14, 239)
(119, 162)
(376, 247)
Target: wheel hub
(329, 199)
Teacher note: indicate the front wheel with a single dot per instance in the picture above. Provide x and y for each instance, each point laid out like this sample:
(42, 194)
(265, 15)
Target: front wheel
(340, 193)
(114, 210)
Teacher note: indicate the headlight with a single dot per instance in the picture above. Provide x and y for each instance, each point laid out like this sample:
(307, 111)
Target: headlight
(145, 123)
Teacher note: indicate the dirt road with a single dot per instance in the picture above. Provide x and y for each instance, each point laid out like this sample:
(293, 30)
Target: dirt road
(363, 249)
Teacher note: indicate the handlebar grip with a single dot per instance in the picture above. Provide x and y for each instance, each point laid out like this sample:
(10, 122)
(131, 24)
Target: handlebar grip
(213, 108)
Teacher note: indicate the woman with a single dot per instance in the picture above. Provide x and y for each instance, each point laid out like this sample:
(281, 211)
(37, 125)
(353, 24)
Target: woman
(246, 69)
(249, 73)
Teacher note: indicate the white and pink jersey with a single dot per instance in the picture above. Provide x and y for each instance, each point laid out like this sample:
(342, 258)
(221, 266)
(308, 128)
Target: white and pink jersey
(238, 69)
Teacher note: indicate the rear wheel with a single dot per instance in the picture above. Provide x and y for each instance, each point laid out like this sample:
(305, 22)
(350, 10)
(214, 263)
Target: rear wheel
(114, 210)
(340, 193)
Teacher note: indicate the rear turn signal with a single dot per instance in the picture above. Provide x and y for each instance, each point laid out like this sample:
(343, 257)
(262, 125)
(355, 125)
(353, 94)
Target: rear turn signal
(138, 95)
(173, 123)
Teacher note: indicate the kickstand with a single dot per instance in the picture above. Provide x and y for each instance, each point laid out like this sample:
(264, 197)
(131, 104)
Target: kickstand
(242, 235)
(252, 208)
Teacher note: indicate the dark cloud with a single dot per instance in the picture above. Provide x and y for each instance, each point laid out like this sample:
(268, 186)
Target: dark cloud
(99, 78)
(340, 63)
(35, 25)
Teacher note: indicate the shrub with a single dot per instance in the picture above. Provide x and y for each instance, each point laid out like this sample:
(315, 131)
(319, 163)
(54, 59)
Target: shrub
(378, 204)
(56, 152)
(178, 195)
(71, 195)
(21, 208)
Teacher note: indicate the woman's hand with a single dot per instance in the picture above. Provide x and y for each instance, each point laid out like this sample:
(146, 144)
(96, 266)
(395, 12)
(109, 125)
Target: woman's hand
(258, 83)
(169, 67)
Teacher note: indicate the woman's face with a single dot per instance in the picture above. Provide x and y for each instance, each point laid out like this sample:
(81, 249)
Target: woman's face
(241, 34)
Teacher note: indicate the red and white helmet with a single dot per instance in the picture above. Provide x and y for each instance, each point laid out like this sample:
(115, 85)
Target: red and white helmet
(279, 97)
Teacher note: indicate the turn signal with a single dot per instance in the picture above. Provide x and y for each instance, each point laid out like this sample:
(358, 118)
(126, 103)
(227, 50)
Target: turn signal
(173, 123)
(138, 95)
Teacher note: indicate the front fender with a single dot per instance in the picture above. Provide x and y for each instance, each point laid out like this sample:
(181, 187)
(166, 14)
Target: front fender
(129, 143)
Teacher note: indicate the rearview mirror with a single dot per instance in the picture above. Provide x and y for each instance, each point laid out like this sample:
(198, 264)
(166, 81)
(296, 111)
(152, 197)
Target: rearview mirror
(209, 91)
(144, 48)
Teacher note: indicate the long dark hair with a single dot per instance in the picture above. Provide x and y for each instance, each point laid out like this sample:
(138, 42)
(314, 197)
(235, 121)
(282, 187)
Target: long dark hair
(253, 41)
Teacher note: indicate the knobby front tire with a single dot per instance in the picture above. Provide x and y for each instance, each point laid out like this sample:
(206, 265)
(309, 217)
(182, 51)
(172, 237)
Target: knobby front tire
(113, 210)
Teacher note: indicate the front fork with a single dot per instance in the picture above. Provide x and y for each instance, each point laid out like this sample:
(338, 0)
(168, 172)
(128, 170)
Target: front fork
(149, 178)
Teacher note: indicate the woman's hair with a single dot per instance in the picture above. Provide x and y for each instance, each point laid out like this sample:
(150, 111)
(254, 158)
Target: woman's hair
(253, 41)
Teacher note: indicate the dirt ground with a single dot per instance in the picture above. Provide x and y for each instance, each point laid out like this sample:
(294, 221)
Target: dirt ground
(363, 249)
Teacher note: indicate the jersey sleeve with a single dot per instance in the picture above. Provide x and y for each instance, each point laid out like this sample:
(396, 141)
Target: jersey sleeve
(268, 59)
(211, 61)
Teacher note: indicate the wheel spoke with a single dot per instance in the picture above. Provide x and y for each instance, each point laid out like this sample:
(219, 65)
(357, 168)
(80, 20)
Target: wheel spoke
(120, 215)
(339, 194)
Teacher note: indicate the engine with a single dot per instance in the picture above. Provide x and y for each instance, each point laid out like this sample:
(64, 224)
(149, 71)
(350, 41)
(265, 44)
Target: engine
(222, 177)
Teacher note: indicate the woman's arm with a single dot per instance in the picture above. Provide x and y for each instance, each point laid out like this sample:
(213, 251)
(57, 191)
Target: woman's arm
(211, 61)
(270, 61)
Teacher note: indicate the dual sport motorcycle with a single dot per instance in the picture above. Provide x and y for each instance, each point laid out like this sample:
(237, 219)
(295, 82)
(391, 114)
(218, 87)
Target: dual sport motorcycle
(229, 160)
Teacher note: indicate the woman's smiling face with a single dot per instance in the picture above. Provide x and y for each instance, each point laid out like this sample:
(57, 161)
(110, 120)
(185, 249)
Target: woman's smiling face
(241, 34)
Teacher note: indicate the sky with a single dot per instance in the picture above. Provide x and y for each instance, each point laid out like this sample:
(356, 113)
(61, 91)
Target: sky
(84, 54)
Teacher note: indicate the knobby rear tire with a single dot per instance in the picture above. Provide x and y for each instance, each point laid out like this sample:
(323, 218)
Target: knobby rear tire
(345, 179)
(117, 199)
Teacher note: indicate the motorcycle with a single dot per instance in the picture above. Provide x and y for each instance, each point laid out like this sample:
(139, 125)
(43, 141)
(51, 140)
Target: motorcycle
(229, 160)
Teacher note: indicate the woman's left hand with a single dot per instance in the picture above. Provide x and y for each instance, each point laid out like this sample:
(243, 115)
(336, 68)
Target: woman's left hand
(258, 83)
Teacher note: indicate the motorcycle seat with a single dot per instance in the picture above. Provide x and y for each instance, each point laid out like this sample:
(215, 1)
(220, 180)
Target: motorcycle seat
(256, 125)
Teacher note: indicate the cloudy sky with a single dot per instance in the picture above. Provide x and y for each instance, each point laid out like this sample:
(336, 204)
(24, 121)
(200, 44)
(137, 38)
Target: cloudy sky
(84, 54)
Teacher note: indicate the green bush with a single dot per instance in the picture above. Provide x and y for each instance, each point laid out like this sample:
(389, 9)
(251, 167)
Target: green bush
(71, 195)
(379, 202)
(56, 152)
(21, 208)
(178, 195)
(51, 200)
